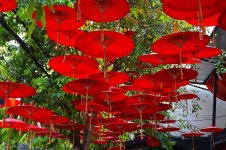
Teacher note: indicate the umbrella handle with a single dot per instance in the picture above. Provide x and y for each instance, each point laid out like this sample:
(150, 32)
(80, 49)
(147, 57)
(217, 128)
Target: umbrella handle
(193, 144)
(9, 135)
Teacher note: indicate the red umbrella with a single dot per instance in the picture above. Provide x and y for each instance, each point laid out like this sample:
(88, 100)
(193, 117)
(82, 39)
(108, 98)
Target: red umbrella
(12, 123)
(103, 44)
(54, 120)
(10, 89)
(150, 126)
(168, 129)
(140, 99)
(221, 20)
(112, 78)
(156, 59)
(208, 21)
(99, 142)
(70, 126)
(74, 66)
(175, 75)
(7, 5)
(30, 111)
(85, 86)
(192, 135)
(91, 107)
(149, 82)
(38, 22)
(103, 10)
(63, 17)
(207, 52)
(168, 121)
(191, 10)
(64, 37)
(121, 126)
(153, 142)
(179, 43)
(212, 129)
(31, 128)
(140, 109)
(110, 96)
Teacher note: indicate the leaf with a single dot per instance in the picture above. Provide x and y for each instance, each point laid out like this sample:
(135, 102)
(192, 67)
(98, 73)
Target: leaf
(29, 11)
(31, 28)
(39, 12)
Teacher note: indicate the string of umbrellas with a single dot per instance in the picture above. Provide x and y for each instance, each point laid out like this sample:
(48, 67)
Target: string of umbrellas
(111, 101)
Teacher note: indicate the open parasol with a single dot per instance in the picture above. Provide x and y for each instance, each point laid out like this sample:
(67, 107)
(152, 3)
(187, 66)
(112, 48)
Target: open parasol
(103, 10)
(7, 5)
(74, 66)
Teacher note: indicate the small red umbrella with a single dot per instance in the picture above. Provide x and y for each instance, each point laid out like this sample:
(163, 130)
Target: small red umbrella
(103, 10)
(140, 109)
(112, 78)
(156, 59)
(104, 44)
(221, 20)
(140, 99)
(30, 111)
(192, 135)
(70, 126)
(121, 126)
(175, 75)
(64, 37)
(99, 142)
(84, 86)
(63, 17)
(91, 107)
(168, 129)
(150, 126)
(10, 103)
(7, 5)
(168, 121)
(74, 66)
(179, 43)
(212, 129)
(110, 96)
(149, 82)
(31, 128)
(153, 142)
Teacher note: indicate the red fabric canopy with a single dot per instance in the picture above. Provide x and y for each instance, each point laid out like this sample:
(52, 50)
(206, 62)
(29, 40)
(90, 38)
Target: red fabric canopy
(102, 44)
(103, 10)
(7, 5)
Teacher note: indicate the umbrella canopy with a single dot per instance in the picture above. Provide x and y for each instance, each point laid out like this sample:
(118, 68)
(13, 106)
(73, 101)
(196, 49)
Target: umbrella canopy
(32, 128)
(103, 10)
(109, 96)
(10, 89)
(71, 126)
(103, 44)
(207, 52)
(122, 126)
(112, 78)
(208, 21)
(74, 66)
(192, 134)
(30, 111)
(64, 37)
(168, 129)
(7, 5)
(179, 43)
(156, 59)
(174, 75)
(212, 129)
(63, 17)
(84, 86)
(55, 119)
(12, 123)
(191, 10)
(91, 107)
